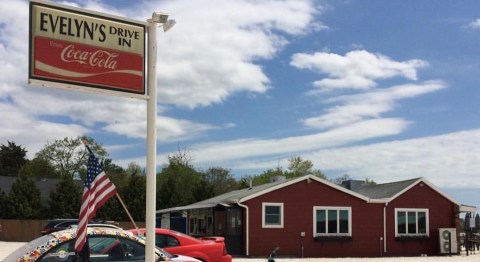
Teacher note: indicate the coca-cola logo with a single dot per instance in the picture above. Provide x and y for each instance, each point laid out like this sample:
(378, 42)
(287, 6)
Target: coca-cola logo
(99, 58)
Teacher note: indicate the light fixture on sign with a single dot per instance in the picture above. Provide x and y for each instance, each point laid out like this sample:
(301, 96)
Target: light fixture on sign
(168, 25)
(162, 19)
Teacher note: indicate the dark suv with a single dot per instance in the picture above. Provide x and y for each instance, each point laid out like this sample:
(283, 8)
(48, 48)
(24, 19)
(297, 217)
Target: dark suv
(57, 225)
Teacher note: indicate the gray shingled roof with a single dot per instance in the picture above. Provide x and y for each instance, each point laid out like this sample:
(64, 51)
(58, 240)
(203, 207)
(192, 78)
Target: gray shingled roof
(43, 185)
(387, 190)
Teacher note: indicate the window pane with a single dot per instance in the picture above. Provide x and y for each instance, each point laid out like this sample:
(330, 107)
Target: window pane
(321, 221)
(275, 210)
(272, 215)
(412, 222)
(343, 221)
(401, 223)
(272, 219)
(332, 221)
(422, 222)
(160, 241)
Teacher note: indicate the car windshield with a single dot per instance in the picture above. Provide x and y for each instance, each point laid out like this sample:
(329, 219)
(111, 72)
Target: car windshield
(27, 247)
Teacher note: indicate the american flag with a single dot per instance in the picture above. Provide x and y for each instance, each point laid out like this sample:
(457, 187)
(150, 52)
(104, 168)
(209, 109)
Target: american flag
(98, 189)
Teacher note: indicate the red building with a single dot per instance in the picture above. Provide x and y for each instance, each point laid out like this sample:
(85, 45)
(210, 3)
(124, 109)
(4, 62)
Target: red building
(311, 217)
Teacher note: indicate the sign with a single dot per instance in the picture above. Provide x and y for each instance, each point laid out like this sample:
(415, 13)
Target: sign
(78, 48)
(165, 222)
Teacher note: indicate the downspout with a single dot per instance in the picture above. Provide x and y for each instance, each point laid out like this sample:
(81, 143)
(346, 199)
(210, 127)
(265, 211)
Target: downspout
(385, 228)
(247, 226)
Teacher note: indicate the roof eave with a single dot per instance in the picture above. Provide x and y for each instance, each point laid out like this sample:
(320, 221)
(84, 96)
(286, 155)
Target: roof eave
(308, 178)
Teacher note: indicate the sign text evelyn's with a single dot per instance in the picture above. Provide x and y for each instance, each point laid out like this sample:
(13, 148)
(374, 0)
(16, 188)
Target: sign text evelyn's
(87, 30)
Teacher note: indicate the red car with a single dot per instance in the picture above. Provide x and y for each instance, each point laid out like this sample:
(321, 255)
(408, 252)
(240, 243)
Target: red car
(207, 249)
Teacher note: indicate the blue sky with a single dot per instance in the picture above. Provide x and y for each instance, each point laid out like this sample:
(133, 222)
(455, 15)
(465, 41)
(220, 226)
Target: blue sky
(385, 90)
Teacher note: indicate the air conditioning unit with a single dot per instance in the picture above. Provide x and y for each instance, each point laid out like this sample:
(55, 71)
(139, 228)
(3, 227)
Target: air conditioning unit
(448, 240)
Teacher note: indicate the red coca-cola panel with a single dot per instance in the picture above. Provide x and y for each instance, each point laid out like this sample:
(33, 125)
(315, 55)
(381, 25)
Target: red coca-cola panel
(88, 65)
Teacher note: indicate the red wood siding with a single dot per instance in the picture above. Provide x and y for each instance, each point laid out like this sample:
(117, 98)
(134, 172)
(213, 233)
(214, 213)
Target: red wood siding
(441, 215)
(298, 200)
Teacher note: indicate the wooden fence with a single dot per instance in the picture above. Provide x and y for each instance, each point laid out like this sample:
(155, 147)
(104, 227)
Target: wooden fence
(27, 230)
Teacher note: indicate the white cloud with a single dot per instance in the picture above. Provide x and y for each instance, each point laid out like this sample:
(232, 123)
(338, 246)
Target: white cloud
(32, 133)
(475, 24)
(210, 55)
(358, 69)
(368, 105)
(224, 44)
(236, 150)
(168, 129)
(449, 160)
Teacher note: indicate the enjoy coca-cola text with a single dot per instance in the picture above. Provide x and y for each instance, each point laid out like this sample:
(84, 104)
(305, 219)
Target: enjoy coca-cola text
(99, 58)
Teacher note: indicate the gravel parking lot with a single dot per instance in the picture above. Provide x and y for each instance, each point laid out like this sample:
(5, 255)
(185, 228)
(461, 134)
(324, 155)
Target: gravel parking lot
(8, 247)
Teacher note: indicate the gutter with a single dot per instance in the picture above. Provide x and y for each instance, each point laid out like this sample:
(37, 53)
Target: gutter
(247, 226)
(385, 228)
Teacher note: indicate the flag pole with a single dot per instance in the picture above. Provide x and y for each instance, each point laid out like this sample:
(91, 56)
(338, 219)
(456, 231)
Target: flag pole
(126, 210)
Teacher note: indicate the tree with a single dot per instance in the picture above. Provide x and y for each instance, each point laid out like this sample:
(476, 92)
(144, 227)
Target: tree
(12, 158)
(296, 167)
(24, 199)
(204, 190)
(299, 167)
(178, 182)
(68, 156)
(134, 196)
(40, 168)
(220, 180)
(3, 204)
(263, 178)
(117, 174)
(134, 169)
(340, 180)
(370, 181)
(65, 199)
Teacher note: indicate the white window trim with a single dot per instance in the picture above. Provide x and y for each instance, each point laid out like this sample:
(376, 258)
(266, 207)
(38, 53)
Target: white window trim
(349, 209)
(265, 204)
(427, 218)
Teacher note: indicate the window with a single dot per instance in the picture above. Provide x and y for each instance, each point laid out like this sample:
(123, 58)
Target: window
(272, 215)
(411, 222)
(102, 248)
(332, 221)
(162, 241)
(111, 248)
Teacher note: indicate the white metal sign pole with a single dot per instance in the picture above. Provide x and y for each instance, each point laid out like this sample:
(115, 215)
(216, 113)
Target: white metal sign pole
(151, 141)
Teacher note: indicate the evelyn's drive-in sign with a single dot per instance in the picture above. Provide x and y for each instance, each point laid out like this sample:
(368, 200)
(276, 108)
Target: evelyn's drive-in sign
(72, 47)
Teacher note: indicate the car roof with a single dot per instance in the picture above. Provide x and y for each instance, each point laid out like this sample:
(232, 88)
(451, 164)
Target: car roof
(94, 230)
(60, 237)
